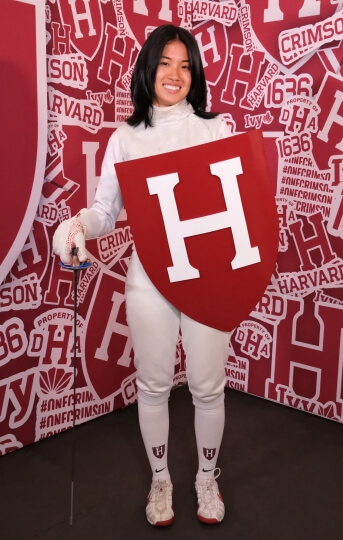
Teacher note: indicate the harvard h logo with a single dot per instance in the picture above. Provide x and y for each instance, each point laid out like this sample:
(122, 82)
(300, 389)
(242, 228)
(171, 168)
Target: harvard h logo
(205, 226)
(177, 230)
(159, 451)
(209, 453)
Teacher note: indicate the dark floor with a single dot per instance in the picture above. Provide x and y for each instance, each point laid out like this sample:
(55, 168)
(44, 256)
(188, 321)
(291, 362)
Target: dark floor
(282, 478)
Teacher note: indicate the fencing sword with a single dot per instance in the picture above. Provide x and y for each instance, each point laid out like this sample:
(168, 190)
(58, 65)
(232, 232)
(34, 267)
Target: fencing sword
(76, 266)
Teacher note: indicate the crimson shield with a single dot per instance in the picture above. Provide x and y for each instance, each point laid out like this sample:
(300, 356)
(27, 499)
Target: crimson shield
(205, 226)
(85, 22)
(23, 122)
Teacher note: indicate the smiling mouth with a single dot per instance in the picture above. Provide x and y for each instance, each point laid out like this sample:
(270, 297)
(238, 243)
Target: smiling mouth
(171, 87)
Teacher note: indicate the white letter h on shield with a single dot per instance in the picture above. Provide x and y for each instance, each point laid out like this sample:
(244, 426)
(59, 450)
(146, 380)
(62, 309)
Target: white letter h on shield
(176, 230)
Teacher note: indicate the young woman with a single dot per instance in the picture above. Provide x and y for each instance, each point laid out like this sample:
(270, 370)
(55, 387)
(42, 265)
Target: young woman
(169, 96)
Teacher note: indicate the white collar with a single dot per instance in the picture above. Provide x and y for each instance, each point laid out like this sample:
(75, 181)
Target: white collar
(174, 113)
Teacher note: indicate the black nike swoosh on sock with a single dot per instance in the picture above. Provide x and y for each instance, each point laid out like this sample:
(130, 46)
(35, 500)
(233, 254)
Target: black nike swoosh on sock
(208, 470)
(160, 470)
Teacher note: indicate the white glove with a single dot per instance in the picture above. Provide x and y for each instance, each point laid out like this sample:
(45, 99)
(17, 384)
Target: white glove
(68, 235)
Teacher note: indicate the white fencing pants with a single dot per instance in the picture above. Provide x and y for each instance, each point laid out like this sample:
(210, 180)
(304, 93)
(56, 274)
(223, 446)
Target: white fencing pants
(154, 325)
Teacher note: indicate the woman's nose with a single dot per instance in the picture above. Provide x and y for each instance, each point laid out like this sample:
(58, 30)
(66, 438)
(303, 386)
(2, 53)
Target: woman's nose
(174, 73)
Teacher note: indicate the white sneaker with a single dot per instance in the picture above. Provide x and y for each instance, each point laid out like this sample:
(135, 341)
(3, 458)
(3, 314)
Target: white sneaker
(211, 507)
(159, 508)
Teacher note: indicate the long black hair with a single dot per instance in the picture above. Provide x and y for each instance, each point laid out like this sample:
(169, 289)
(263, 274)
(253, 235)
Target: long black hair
(143, 77)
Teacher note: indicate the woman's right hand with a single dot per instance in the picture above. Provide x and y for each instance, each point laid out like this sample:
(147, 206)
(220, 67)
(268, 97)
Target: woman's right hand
(68, 235)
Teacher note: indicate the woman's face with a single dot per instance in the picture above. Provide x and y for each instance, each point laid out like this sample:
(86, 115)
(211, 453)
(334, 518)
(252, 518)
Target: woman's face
(173, 76)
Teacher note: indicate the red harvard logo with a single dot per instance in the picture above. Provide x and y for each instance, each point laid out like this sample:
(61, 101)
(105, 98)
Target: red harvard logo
(209, 213)
(159, 451)
(209, 453)
(83, 23)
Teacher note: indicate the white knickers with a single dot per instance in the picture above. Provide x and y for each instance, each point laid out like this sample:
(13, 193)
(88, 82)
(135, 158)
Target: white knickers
(154, 325)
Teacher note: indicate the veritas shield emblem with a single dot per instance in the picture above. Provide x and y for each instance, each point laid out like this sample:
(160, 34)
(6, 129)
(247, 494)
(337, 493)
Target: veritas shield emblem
(205, 226)
(23, 122)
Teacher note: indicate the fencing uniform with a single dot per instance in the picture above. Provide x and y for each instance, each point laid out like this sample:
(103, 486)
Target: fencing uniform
(154, 323)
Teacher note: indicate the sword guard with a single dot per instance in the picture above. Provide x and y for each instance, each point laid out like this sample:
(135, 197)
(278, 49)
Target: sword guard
(77, 265)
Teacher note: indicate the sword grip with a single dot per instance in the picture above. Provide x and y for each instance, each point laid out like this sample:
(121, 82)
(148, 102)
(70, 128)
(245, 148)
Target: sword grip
(74, 251)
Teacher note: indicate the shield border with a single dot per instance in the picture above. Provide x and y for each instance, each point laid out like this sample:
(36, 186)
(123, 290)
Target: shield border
(177, 292)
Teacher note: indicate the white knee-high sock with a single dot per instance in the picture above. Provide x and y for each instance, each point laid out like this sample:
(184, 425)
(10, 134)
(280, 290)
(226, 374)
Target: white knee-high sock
(153, 416)
(209, 421)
